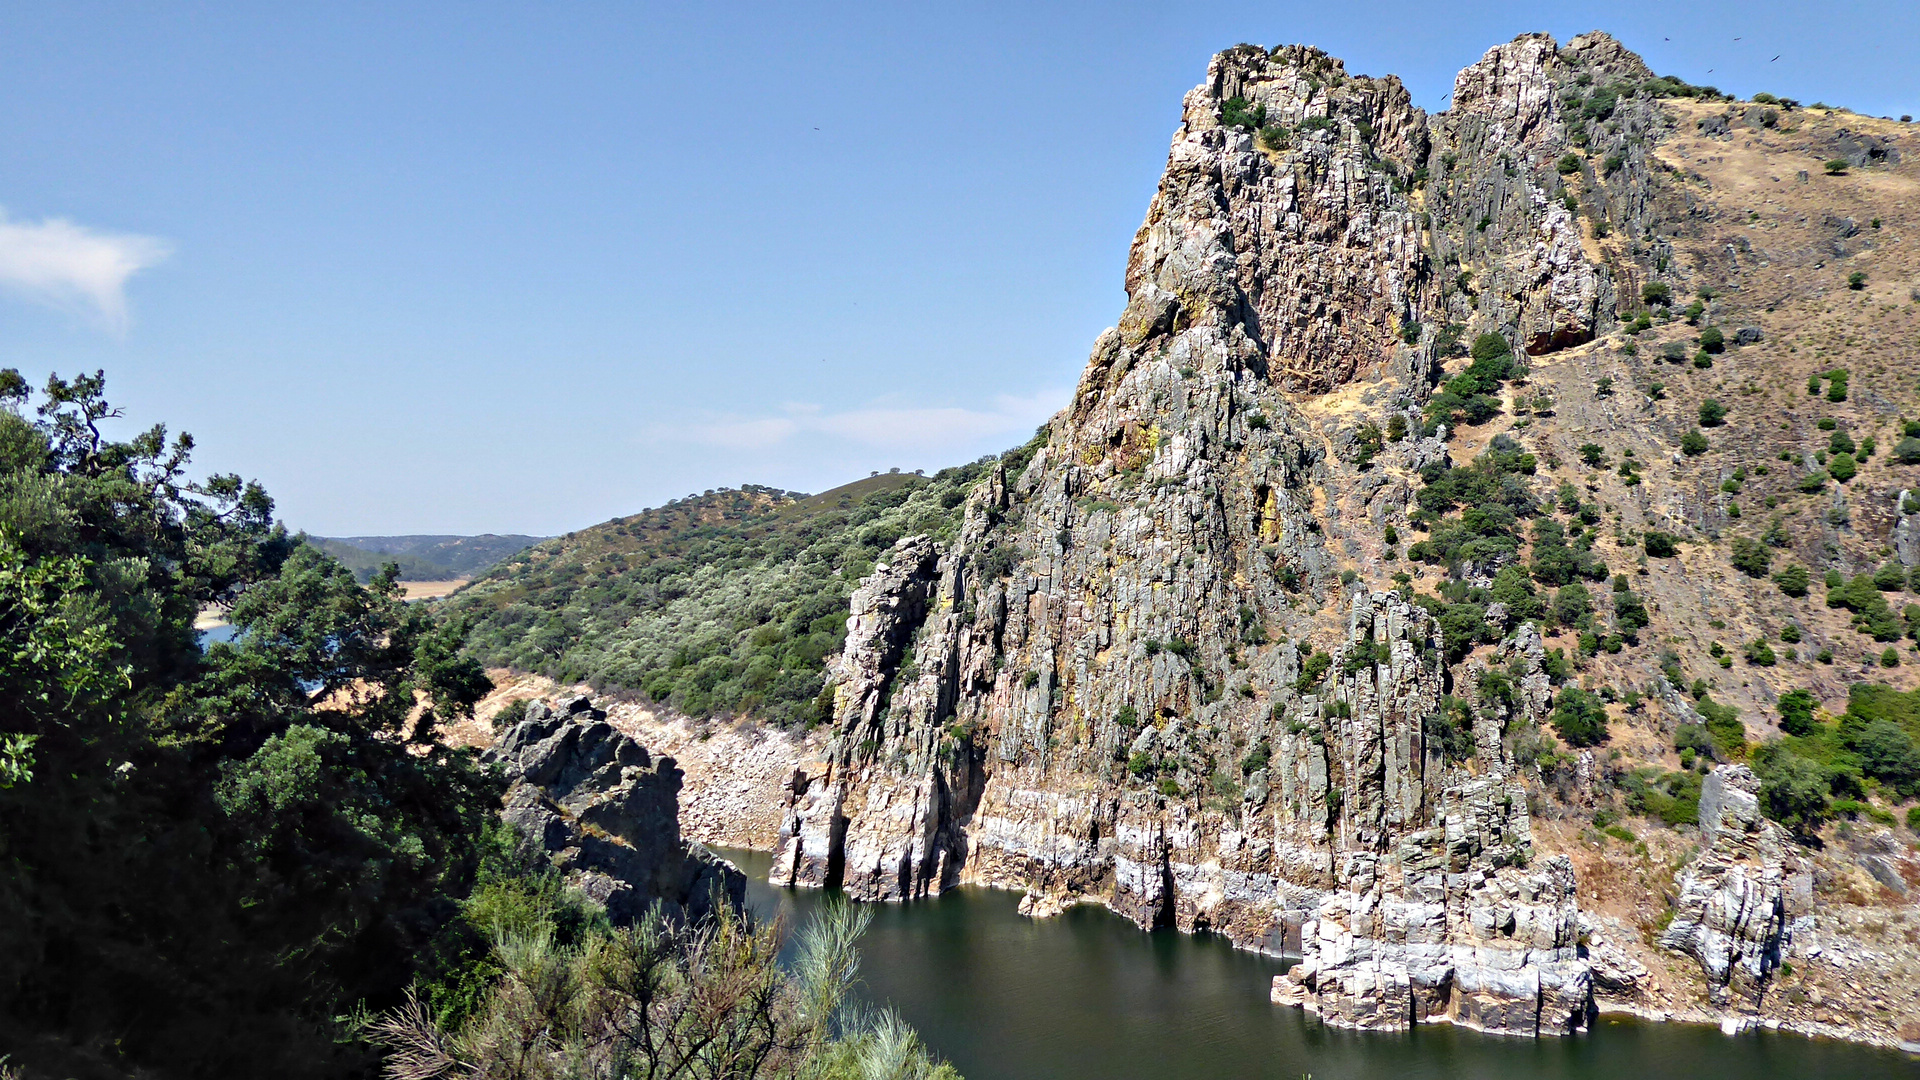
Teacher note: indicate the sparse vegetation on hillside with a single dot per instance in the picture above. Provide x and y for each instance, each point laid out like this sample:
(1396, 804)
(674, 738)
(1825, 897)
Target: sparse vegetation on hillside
(723, 604)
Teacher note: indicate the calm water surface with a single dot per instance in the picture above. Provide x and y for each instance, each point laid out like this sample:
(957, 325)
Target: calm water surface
(1087, 996)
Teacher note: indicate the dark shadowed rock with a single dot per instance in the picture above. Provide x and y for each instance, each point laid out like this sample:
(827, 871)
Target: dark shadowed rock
(606, 813)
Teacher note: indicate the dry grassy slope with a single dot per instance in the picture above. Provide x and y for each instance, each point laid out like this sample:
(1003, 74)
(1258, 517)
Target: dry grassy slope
(1772, 246)
(1766, 242)
(1774, 249)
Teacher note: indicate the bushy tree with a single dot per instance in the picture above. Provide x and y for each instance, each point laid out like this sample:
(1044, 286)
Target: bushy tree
(1794, 581)
(1796, 712)
(1793, 791)
(211, 854)
(1579, 717)
(1751, 557)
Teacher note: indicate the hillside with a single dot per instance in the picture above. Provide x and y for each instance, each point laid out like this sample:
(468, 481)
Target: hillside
(1480, 561)
(422, 558)
(723, 603)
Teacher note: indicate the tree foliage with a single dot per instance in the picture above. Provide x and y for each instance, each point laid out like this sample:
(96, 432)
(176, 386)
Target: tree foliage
(211, 854)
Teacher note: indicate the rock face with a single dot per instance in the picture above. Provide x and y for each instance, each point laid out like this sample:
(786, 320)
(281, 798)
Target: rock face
(1135, 677)
(1733, 911)
(606, 813)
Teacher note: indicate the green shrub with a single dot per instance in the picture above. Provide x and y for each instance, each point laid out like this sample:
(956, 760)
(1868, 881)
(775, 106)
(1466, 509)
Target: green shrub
(1723, 725)
(1236, 112)
(1568, 164)
(1693, 444)
(1890, 577)
(1796, 712)
(1660, 545)
(1837, 167)
(1842, 467)
(1656, 293)
(1793, 791)
(1837, 385)
(1871, 613)
(1579, 717)
(1671, 797)
(1312, 671)
(1712, 340)
(1712, 413)
(1857, 280)
(1751, 557)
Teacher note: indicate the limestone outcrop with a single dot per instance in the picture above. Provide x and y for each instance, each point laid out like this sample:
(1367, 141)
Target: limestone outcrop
(605, 812)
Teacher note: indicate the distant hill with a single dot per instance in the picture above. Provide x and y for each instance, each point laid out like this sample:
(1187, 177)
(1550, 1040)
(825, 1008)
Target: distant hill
(423, 558)
(721, 603)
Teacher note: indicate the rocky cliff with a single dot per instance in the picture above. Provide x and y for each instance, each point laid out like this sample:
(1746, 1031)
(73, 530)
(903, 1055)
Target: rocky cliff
(1158, 667)
(1419, 583)
(1123, 607)
(606, 814)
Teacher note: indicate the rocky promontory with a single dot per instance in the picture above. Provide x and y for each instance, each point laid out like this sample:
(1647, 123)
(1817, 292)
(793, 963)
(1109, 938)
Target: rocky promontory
(606, 814)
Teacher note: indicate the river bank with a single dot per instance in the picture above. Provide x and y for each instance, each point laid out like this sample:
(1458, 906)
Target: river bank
(1087, 994)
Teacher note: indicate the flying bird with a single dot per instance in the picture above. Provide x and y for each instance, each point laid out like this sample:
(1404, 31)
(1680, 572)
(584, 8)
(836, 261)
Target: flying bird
(1736, 39)
(1771, 61)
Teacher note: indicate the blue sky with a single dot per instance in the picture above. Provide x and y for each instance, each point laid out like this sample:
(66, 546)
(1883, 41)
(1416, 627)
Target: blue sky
(521, 268)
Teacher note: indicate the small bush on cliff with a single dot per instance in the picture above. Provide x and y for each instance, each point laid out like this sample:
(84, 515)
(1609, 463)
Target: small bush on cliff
(1312, 671)
(1671, 797)
(1579, 717)
(1236, 112)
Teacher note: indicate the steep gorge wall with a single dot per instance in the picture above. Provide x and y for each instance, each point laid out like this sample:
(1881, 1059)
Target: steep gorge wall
(1145, 589)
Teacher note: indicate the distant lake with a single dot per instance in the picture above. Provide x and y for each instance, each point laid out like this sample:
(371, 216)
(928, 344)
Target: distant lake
(1088, 996)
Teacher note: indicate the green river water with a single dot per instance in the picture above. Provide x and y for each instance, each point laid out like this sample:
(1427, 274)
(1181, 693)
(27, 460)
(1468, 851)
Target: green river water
(1088, 995)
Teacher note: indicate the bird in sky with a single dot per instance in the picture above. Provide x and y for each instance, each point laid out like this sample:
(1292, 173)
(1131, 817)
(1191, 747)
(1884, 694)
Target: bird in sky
(1736, 39)
(1771, 61)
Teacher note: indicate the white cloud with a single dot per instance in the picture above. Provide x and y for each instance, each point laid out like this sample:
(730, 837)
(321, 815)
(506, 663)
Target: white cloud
(74, 268)
(878, 427)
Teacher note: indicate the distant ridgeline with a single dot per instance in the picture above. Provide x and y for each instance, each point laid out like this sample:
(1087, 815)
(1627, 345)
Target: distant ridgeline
(422, 558)
(721, 603)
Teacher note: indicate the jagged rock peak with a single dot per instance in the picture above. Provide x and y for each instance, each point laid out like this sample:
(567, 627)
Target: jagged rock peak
(1316, 224)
